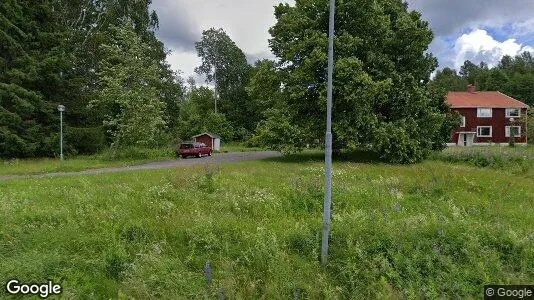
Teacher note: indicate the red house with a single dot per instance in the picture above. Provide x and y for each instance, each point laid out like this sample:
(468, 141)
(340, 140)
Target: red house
(488, 118)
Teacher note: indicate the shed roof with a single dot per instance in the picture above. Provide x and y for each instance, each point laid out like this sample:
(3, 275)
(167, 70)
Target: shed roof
(212, 135)
(483, 99)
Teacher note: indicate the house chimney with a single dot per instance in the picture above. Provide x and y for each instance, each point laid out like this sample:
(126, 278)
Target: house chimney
(471, 89)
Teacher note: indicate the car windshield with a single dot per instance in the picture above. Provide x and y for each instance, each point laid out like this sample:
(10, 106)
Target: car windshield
(186, 146)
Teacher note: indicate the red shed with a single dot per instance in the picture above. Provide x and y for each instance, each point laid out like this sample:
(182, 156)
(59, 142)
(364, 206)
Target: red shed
(210, 139)
(488, 117)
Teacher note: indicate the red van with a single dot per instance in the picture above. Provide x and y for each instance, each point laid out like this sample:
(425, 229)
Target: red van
(194, 149)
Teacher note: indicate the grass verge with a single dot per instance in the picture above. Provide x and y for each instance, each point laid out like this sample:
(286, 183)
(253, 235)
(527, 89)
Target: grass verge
(432, 230)
(516, 160)
(108, 158)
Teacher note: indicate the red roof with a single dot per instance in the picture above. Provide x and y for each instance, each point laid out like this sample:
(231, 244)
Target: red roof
(483, 99)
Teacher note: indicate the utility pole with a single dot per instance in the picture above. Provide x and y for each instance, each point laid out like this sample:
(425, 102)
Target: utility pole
(215, 79)
(328, 140)
(61, 109)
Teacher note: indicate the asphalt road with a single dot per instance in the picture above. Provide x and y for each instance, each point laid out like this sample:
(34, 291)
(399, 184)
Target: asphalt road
(221, 158)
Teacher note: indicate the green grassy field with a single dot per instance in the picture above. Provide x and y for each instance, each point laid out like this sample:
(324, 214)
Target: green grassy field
(432, 230)
(106, 159)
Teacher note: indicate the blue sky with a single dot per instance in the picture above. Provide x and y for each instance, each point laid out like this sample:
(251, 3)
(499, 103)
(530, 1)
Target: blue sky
(464, 29)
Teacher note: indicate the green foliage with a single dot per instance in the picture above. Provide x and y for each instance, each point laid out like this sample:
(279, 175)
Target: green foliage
(381, 71)
(28, 55)
(513, 76)
(448, 80)
(278, 133)
(198, 115)
(52, 52)
(128, 75)
(85, 140)
(226, 66)
(264, 88)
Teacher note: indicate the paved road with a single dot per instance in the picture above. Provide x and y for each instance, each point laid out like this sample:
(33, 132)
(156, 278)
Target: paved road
(221, 158)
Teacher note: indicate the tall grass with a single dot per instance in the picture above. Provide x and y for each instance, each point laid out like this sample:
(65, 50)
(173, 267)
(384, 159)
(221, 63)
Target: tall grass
(107, 158)
(518, 159)
(433, 230)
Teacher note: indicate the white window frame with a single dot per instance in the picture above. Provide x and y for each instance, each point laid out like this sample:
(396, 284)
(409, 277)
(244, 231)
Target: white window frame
(508, 115)
(507, 131)
(462, 125)
(490, 133)
(479, 114)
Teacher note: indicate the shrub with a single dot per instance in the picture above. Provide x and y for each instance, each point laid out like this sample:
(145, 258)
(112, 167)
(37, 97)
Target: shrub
(85, 140)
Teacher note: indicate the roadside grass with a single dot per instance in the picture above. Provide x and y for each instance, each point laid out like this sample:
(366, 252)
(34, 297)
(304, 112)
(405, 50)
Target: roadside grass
(516, 160)
(108, 158)
(431, 230)
(237, 147)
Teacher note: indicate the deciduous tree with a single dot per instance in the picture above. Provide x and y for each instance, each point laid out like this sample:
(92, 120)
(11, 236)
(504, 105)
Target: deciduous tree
(381, 73)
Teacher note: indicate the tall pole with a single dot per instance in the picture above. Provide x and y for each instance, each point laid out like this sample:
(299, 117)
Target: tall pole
(61, 109)
(328, 140)
(61, 134)
(215, 79)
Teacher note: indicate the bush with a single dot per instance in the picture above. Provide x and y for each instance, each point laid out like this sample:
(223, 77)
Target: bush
(277, 133)
(393, 143)
(85, 140)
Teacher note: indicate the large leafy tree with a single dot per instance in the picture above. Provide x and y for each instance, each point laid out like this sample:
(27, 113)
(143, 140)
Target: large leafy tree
(197, 115)
(225, 65)
(128, 91)
(381, 98)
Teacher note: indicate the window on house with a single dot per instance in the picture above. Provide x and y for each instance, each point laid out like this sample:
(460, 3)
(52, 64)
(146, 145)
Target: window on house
(513, 112)
(515, 129)
(462, 124)
(484, 131)
(484, 112)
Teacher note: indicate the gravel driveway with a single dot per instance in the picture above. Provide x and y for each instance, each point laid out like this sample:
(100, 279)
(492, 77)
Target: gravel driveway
(221, 158)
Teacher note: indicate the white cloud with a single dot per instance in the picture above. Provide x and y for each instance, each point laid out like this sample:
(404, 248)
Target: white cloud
(246, 22)
(185, 63)
(479, 46)
(448, 17)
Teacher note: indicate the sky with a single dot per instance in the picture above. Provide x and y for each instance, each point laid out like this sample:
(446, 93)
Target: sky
(478, 30)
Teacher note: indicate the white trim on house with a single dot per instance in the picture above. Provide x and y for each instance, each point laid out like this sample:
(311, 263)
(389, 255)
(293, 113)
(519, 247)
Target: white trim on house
(507, 131)
(508, 115)
(481, 115)
(462, 125)
(490, 133)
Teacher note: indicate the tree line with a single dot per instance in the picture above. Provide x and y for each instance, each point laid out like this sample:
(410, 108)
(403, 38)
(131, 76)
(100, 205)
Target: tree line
(513, 76)
(102, 60)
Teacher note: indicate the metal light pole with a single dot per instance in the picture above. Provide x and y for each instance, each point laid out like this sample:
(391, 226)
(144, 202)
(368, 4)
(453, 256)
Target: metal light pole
(215, 79)
(328, 140)
(61, 109)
